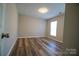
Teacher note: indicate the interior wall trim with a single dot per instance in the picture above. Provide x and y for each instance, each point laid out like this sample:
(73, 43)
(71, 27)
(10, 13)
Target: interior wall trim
(55, 39)
(11, 48)
(31, 36)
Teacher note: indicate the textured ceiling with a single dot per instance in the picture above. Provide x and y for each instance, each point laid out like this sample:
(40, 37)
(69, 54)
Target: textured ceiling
(31, 9)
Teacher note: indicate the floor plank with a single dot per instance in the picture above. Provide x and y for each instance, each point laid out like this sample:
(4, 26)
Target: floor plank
(37, 47)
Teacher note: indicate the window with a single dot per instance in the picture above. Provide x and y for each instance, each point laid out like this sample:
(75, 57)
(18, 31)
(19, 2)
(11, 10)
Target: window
(53, 28)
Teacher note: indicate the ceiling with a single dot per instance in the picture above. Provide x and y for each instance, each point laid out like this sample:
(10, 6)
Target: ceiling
(31, 9)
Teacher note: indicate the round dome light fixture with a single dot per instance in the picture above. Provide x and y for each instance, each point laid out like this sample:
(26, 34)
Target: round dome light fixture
(43, 10)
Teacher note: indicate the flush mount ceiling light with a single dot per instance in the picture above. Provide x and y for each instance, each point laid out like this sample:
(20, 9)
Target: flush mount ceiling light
(43, 10)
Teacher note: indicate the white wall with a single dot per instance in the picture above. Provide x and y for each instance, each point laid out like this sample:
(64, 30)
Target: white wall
(31, 27)
(71, 27)
(10, 26)
(60, 26)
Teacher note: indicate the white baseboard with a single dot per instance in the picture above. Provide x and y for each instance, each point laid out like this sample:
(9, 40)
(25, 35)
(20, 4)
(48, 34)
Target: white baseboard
(40, 36)
(11, 48)
(30, 36)
(54, 39)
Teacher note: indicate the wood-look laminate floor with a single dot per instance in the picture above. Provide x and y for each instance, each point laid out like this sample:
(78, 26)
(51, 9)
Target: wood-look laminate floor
(36, 47)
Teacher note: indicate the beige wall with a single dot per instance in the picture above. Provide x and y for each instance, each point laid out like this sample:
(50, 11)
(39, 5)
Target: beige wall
(10, 26)
(31, 27)
(60, 28)
(60, 23)
(71, 27)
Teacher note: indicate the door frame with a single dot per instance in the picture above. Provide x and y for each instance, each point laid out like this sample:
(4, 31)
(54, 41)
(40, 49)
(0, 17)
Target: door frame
(3, 23)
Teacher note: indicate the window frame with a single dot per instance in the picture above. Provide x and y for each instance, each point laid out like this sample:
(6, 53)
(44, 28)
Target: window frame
(55, 30)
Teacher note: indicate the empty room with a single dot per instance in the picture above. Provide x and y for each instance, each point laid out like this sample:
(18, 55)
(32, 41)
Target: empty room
(38, 29)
